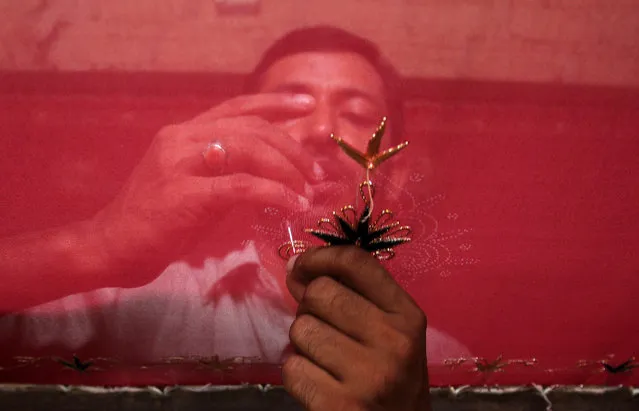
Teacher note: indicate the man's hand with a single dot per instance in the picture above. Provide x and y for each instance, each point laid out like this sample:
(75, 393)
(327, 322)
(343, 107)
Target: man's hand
(183, 188)
(360, 338)
(180, 191)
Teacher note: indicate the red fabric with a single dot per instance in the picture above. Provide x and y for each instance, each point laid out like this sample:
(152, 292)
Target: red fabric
(547, 186)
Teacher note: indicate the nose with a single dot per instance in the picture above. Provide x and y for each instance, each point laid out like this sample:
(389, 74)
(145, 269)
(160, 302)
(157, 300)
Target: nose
(319, 125)
(314, 133)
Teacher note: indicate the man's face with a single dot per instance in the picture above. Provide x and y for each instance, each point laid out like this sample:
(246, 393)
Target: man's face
(350, 102)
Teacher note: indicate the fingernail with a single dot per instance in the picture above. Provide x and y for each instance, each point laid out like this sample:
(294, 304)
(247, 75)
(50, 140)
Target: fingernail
(291, 263)
(305, 205)
(318, 171)
(305, 100)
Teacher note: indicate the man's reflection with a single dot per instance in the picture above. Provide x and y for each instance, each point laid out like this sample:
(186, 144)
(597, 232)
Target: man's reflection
(122, 283)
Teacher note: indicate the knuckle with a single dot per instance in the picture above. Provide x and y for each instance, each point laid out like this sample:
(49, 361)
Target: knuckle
(415, 322)
(420, 321)
(290, 368)
(412, 321)
(302, 330)
(307, 390)
(308, 337)
(255, 121)
(350, 255)
(222, 125)
(376, 383)
(233, 126)
(403, 347)
(319, 289)
(341, 301)
(353, 259)
(297, 384)
(238, 182)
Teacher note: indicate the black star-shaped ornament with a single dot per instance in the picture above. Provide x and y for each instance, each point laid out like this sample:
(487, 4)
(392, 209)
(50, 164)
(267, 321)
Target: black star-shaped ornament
(380, 236)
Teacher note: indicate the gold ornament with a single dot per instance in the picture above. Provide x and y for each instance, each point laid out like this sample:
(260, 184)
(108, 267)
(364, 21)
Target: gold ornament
(378, 237)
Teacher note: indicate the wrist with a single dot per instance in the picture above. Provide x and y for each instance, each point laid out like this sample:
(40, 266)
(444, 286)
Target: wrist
(126, 257)
(86, 249)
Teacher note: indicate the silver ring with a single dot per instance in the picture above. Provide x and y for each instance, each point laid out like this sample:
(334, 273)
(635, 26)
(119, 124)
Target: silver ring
(220, 158)
(216, 145)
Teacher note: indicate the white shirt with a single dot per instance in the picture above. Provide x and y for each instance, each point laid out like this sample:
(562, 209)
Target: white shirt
(228, 307)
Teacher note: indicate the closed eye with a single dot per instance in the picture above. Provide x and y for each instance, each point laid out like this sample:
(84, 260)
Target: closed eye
(360, 119)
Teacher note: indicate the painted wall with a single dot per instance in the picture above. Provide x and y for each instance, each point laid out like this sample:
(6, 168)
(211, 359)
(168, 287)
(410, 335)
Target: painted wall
(571, 41)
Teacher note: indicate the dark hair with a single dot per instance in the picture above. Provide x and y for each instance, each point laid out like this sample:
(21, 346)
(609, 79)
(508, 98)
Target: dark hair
(327, 38)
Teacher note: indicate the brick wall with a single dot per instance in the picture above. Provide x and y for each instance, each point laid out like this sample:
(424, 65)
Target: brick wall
(571, 41)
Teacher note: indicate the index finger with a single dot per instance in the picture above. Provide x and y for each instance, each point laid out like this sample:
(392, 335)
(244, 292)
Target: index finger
(266, 105)
(355, 268)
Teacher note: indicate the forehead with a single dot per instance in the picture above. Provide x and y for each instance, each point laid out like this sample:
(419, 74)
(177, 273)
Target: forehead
(325, 71)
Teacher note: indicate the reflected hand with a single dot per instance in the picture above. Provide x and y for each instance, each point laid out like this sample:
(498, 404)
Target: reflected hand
(173, 194)
(360, 338)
